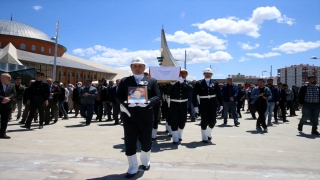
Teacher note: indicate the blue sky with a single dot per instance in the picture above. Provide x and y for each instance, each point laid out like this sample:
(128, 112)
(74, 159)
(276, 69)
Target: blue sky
(233, 37)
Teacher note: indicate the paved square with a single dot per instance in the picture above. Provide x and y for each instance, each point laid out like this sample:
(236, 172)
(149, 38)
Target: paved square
(67, 150)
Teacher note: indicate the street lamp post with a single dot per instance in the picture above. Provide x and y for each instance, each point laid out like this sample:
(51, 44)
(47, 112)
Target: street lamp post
(55, 52)
(185, 58)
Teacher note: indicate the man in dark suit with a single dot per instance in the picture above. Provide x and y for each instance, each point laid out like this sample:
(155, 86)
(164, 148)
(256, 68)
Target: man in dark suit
(282, 104)
(38, 98)
(109, 107)
(209, 94)
(7, 93)
(138, 117)
(53, 102)
(114, 103)
(100, 99)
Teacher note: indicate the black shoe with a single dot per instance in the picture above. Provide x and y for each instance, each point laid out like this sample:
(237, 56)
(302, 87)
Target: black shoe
(97, 118)
(193, 120)
(46, 123)
(225, 122)
(153, 139)
(55, 121)
(170, 135)
(145, 168)
(209, 138)
(21, 122)
(175, 143)
(240, 116)
(315, 133)
(300, 127)
(116, 123)
(41, 127)
(265, 130)
(258, 128)
(254, 118)
(87, 125)
(65, 118)
(204, 141)
(286, 121)
(237, 123)
(130, 175)
(180, 139)
(25, 127)
(4, 136)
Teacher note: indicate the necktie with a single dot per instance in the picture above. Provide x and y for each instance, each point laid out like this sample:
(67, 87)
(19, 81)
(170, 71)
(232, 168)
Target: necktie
(208, 83)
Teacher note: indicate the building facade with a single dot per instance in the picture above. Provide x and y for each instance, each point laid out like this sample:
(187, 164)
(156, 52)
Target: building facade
(22, 44)
(298, 74)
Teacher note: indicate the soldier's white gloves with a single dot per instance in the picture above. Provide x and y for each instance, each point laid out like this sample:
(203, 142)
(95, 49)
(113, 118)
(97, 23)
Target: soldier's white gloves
(132, 105)
(168, 101)
(142, 105)
(181, 80)
(196, 109)
(221, 107)
(172, 83)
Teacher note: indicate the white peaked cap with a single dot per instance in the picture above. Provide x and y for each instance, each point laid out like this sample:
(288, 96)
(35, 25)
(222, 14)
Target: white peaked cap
(207, 70)
(138, 61)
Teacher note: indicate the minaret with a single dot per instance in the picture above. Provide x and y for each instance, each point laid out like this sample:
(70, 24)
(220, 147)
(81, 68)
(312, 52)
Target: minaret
(168, 60)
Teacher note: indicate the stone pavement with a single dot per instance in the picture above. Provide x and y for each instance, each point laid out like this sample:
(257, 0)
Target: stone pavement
(67, 150)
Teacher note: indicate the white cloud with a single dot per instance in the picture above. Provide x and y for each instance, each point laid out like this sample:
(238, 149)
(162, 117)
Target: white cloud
(297, 46)
(250, 27)
(243, 59)
(123, 57)
(265, 55)
(246, 46)
(201, 40)
(318, 27)
(37, 8)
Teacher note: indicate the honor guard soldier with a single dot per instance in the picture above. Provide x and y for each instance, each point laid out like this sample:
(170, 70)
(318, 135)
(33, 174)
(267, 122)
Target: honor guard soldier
(38, 98)
(138, 117)
(209, 94)
(178, 93)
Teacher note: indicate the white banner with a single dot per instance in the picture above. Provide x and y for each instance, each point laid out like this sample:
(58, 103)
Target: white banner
(168, 73)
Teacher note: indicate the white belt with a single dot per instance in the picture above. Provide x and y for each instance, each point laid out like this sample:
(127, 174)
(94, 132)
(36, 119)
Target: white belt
(177, 100)
(210, 96)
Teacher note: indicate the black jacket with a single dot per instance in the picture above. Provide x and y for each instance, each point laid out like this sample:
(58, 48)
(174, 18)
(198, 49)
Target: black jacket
(104, 93)
(138, 113)
(202, 89)
(39, 89)
(56, 93)
(62, 96)
(179, 91)
(283, 95)
(76, 95)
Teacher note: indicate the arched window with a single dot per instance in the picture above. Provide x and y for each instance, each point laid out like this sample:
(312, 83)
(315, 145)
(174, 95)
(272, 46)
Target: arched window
(33, 47)
(49, 50)
(42, 49)
(22, 46)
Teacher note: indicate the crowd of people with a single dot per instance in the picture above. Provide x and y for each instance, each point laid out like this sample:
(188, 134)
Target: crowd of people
(142, 109)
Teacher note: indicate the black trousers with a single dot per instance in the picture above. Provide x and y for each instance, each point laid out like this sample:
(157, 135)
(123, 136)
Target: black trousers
(290, 106)
(109, 111)
(134, 131)
(156, 117)
(283, 110)
(239, 106)
(98, 109)
(164, 109)
(178, 117)
(34, 104)
(208, 116)
(253, 110)
(4, 113)
(116, 112)
(261, 108)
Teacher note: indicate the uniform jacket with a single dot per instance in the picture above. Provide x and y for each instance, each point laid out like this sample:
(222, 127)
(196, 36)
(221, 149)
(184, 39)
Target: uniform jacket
(201, 88)
(179, 91)
(139, 114)
(10, 92)
(302, 94)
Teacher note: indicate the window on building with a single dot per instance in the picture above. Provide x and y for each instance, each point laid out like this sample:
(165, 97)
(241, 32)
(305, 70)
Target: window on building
(49, 50)
(42, 49)
(22, 46)
(33, 47)
(0, 44)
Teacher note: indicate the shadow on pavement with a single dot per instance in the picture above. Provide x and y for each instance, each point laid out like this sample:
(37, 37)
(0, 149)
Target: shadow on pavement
(14, 124)
(110, 124)
(196, 144)
(309, 136)
(75, 126)
(224, 125)
(249, 119)
(118, 176)
(256, 132)
(163, 146)
(20, 130)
